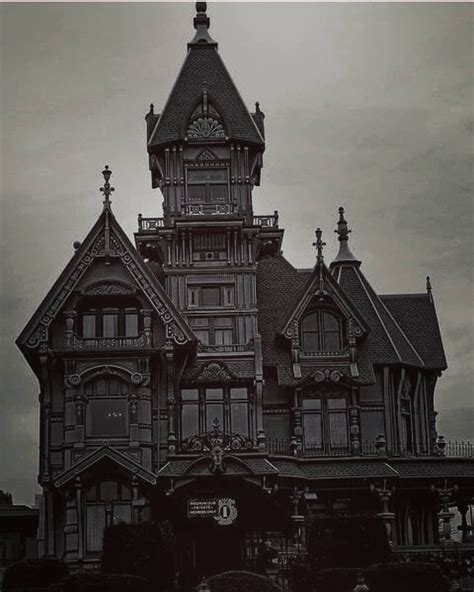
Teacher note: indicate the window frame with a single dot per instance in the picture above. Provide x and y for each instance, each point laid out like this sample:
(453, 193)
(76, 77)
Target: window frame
(324, 415)
(212, 328)
(206, 199)
(93, 397)
(321, 332)
(227, 403)
(226, 296)
(100, 313)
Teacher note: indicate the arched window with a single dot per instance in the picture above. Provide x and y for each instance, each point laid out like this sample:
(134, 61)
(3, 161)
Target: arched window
(107, 408)
(107, 503)
(321, 332)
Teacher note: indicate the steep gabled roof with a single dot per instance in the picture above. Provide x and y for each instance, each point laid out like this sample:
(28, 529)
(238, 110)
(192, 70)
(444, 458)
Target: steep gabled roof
(202, 69)
(106, 238)
(416, 315)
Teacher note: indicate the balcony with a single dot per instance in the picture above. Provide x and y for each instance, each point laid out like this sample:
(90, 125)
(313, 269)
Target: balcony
(270, 221)
(207, 209)
(149, 224)
(230, 348)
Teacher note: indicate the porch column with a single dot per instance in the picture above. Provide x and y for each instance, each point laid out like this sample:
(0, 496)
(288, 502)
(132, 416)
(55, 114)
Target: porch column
(445, 497)
(388, 518)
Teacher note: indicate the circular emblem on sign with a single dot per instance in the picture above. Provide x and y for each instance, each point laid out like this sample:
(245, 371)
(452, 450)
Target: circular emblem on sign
(226, 511)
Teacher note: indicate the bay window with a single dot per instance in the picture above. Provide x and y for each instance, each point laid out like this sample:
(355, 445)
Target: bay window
(213, 330)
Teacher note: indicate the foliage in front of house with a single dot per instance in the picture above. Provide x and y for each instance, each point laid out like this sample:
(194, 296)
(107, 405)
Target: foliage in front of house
(103, 582)
(241, 581)
(145, 550)
(34, 573)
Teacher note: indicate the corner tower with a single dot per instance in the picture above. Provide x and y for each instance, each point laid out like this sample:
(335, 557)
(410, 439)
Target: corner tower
(205, 154)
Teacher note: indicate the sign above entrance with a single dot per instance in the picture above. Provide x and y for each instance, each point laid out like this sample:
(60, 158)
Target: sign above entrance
(223, 510)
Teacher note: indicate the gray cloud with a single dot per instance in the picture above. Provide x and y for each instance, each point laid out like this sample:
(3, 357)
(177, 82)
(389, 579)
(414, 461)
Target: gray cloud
(368, 106)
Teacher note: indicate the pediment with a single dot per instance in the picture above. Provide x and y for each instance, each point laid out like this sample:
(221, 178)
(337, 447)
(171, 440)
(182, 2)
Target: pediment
(106, 243)
(105, 453)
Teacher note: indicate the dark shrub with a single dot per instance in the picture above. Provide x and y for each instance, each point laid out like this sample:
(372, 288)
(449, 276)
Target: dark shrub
(409, 577)
(145, 550)
(349, 540)
(337, 580)
(30, 573)
(103, 582)
(241, 581)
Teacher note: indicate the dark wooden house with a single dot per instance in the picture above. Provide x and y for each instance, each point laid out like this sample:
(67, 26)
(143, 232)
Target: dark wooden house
(198, 376)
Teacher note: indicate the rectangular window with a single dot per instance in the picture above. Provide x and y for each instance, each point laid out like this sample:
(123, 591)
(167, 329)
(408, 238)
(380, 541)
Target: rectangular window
(110, 324)
(239, 417)
(214, 411)
(338, 430)
(210, 296)
(88, 325)
(313, 436)
(131, 324)
(95, 524)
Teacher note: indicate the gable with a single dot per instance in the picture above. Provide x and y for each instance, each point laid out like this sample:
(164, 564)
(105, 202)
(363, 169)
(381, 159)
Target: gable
(322, 286)
(106, 243)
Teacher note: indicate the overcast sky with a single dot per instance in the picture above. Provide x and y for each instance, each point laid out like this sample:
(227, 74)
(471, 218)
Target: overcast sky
(367, 106)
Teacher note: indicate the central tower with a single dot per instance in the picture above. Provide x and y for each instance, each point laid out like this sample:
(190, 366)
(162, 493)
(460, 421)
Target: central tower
(205, 155)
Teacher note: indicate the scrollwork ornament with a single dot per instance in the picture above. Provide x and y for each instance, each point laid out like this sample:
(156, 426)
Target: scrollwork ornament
(136, 378)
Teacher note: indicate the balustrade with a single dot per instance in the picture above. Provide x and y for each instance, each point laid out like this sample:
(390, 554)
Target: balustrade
(109, 342)
(147, 224)
(268, 221)
(207, 209)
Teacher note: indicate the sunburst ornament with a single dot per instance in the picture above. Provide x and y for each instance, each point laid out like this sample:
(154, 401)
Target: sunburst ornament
(205, 128)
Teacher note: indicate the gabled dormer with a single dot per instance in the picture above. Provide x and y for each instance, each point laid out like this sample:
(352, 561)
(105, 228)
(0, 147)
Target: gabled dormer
(205, 148)
(323, 326)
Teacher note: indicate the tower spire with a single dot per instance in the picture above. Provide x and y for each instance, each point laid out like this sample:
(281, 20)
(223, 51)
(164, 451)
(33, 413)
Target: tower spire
(343, 231)
(201, 24)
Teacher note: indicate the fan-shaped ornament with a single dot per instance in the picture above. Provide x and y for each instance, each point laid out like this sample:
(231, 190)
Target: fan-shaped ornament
(205, 128)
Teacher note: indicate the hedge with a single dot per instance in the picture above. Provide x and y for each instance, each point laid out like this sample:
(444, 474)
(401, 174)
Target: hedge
(34, 573)
(103, 582)
(409, 577)
(241, 581)
(145, 550)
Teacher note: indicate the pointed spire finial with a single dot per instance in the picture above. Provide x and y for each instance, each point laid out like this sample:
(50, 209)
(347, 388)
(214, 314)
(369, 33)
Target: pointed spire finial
(106, 189)
(343, 232)
(201, 24)
(319, 244)
(429, 288)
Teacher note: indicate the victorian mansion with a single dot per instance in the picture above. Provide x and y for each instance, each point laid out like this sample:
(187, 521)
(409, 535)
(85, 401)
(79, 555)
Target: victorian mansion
(198, 377)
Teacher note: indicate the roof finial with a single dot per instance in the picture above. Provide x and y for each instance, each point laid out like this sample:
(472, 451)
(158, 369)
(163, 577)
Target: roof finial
(343, 232)
(319, 244)
(201, 24)
(429, 288)
(106, 189)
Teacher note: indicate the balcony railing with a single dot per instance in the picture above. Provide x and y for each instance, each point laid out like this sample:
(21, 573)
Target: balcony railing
(269, 221)
(147, 224)
(140, 341)
(456, 449)
(206, 209)
(228, 348)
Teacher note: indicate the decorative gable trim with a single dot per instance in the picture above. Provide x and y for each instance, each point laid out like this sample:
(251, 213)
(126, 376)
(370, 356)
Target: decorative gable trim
(111, 454)
(214, 371)
(106, 241)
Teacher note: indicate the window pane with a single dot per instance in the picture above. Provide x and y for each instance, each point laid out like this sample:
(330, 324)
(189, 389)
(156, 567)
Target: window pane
(107, 418)
(338, 430)
(207, 176)
(88, 325)
(199, 321)
(239, 418)
(202, 335)
(189, 421)
(110, 325)
(331, 323)
(197, 193)
(337, 403)
(109, 491)
(214, 394)
(310, 322)
(210, 296)
(122, 513)
(125, 493)
(238, 393)
(214, 411)
(311, 342)
(224, 337)
(100, 387)
(95, 524)
(114, 387)
(312, 431)
(311, 403)
(332, 341)
(131, 324)
(223, 322)
(217, 193)
(189, 394)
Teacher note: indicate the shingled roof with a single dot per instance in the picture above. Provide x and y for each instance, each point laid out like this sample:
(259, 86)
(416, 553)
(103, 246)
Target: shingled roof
(416, 315)
(204, 68)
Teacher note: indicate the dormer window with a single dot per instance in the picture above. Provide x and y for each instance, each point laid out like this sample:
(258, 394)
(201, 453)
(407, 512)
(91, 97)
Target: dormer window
(321, 332)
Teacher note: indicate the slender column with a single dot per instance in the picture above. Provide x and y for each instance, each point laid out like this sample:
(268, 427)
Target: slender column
(80, 528)
(133, 414)
(387, 517)
(354, 429)
(69, 315)
(445, 494)
(79, 404)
